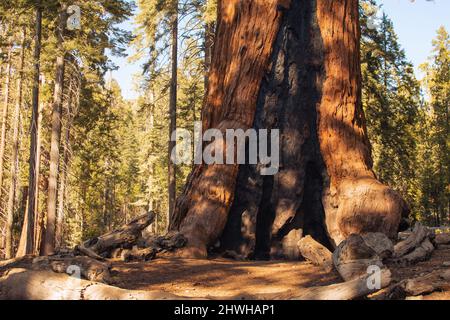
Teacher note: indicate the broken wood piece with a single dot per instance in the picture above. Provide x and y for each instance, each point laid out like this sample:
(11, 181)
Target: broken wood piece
(418, 286)
(15, 262)
(442, 239)
(87, 252)
(353, 289)
(380, 243)
(86, 267)
(316, 253)
(139, 254)
(355, 268)
(168, 242)
(434, 281)
(421, 253)
(416, 237)
(126, 235)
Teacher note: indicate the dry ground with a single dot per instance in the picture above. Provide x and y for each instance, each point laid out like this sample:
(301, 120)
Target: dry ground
(223, 278)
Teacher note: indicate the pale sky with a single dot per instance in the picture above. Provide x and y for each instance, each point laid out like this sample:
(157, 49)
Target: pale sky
(415, 23)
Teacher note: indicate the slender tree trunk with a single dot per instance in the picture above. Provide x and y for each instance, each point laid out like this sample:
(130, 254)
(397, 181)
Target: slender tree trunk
(15, 138)
(32, 175)
(48, 241)
(23, 235)
(5, 118)
(292, 66)
(173, 110)
(65, 166)
(38, 216)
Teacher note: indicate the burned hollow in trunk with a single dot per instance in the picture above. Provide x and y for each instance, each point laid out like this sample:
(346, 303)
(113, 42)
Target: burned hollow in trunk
(293, 67)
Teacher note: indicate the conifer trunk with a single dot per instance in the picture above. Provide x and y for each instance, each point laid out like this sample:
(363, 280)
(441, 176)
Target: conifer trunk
(48, 241)
(15, 137)
(32, 174)
(66, 155)
(292, 66)
(5, 116)
(173, 109)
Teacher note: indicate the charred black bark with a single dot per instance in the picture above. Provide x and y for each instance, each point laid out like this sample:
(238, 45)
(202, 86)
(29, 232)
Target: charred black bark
(271, 213)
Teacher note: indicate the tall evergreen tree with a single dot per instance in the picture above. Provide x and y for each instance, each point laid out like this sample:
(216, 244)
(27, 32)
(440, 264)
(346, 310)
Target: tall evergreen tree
(435, 155)
(391, 100)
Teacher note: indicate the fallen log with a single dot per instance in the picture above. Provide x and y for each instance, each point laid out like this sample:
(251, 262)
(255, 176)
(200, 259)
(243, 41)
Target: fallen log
(169, 242)
(349, 290)
(80, 249)
(126, 235)
(421, 253)
(424, 284)
(22, 284)
(434, 281)
(86, 267)
(138, 254)
(15, 262)
(415, 238)
(442, 239)
(316, 253)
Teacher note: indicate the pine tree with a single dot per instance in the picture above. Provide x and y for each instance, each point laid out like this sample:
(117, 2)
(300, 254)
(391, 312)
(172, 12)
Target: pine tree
(391, 100)
(48, 241)
(435, 156)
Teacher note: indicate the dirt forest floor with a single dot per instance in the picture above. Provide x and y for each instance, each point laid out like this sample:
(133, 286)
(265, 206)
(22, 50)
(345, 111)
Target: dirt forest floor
(224, 278)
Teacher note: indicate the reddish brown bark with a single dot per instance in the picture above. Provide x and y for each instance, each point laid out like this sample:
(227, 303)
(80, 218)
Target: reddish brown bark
(9, 223)
(354, 201)
(295, 69)
(33, 161)
(5, 118)
(245, 36)
(172, 175)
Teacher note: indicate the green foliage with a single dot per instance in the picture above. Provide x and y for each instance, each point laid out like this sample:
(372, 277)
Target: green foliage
(152, 39)
(408, 135)
(434, 134)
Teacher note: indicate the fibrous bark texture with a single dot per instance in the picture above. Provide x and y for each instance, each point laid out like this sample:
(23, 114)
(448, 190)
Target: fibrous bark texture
(245, 36)
(292, 66)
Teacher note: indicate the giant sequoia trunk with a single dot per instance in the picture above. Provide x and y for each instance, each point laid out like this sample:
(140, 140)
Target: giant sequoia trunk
(292, 66)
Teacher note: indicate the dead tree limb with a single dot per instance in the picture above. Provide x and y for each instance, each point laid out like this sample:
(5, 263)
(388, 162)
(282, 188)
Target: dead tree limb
(318, 254)
(353, 289)
(126, 235)
(421, 253)
(442, 239)
(418, 234)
